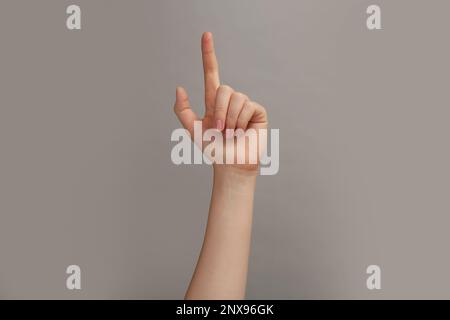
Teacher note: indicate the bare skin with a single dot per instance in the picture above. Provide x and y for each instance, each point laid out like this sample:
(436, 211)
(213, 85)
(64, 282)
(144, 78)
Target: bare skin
(221, 271)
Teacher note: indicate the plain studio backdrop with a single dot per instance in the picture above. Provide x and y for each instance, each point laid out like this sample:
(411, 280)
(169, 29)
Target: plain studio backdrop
(86, 117)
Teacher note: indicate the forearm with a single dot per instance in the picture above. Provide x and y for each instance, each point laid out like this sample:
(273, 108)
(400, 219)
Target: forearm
(221, 271)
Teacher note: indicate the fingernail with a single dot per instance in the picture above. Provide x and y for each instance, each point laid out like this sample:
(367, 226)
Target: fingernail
(219, 125)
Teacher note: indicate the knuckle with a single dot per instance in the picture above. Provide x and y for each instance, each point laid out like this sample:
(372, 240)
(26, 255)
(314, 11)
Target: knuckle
(178, 108)
(259, 107)
(221, 109)
(239, 95)
(250, 105)
(225, 88)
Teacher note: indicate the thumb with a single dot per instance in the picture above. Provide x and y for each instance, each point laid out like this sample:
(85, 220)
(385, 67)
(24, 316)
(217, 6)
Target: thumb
(183, 110)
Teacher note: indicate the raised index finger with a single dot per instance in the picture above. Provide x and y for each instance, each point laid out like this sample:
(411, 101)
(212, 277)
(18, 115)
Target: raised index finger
(211, 71)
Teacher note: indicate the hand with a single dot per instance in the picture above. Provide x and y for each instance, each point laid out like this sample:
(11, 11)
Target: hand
(224, 109)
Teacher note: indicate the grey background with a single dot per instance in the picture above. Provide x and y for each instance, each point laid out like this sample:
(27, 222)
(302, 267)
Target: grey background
(85, 124)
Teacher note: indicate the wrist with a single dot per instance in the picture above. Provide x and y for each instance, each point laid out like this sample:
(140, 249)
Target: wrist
(234, 178)
(240, 172)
